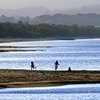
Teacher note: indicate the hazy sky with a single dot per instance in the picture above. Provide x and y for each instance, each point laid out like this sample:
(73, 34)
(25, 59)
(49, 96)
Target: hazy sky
(51, 4)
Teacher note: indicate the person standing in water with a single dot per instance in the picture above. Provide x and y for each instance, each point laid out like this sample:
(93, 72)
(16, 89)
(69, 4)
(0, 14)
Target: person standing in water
(56, 65)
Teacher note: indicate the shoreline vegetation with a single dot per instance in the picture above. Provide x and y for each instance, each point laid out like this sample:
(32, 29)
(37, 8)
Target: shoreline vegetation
(10, 78)
(25, 30)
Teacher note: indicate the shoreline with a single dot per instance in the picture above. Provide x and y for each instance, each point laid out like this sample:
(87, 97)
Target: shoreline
(42, 84)
(39, 78)
(6, 40)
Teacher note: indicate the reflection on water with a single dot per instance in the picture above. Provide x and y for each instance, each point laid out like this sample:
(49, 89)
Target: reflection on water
(77, 54)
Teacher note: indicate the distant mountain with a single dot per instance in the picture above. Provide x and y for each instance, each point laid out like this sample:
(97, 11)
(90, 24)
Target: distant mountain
(87, 15)
(84, 10)
(36, 11)
(27, 11)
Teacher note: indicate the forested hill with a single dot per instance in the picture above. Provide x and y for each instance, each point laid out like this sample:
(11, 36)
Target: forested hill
(21, 30)
(79, 19)
(58, 19)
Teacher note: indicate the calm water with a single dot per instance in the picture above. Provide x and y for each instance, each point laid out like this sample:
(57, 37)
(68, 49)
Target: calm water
(67, 92)
(77, 54)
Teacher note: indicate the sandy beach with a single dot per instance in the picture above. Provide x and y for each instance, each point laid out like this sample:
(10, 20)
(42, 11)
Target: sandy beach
(34, 78)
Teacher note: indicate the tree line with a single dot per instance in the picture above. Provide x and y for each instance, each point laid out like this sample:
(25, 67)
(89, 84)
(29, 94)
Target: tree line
(26, 30)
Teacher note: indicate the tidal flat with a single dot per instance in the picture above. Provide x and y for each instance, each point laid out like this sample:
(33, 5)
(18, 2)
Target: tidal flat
(34, 78)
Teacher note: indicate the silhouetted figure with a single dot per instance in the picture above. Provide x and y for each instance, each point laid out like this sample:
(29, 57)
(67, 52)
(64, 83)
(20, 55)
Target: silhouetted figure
(56, 65)
(69, 69)
(32, 65)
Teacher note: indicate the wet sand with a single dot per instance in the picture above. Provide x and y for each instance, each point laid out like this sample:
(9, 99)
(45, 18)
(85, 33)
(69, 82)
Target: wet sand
(6, 40)
(35, 78)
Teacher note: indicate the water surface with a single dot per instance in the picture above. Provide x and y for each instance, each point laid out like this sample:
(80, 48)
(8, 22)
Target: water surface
(77, 54)
(67, 92)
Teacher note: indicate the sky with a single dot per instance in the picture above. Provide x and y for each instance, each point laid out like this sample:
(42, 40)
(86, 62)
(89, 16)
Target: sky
(51, 4)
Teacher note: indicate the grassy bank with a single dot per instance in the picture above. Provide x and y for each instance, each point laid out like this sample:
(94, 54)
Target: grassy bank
(27, 78)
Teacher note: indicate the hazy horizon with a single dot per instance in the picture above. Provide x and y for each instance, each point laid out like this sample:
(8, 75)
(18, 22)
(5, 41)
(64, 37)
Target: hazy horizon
(50, 4)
